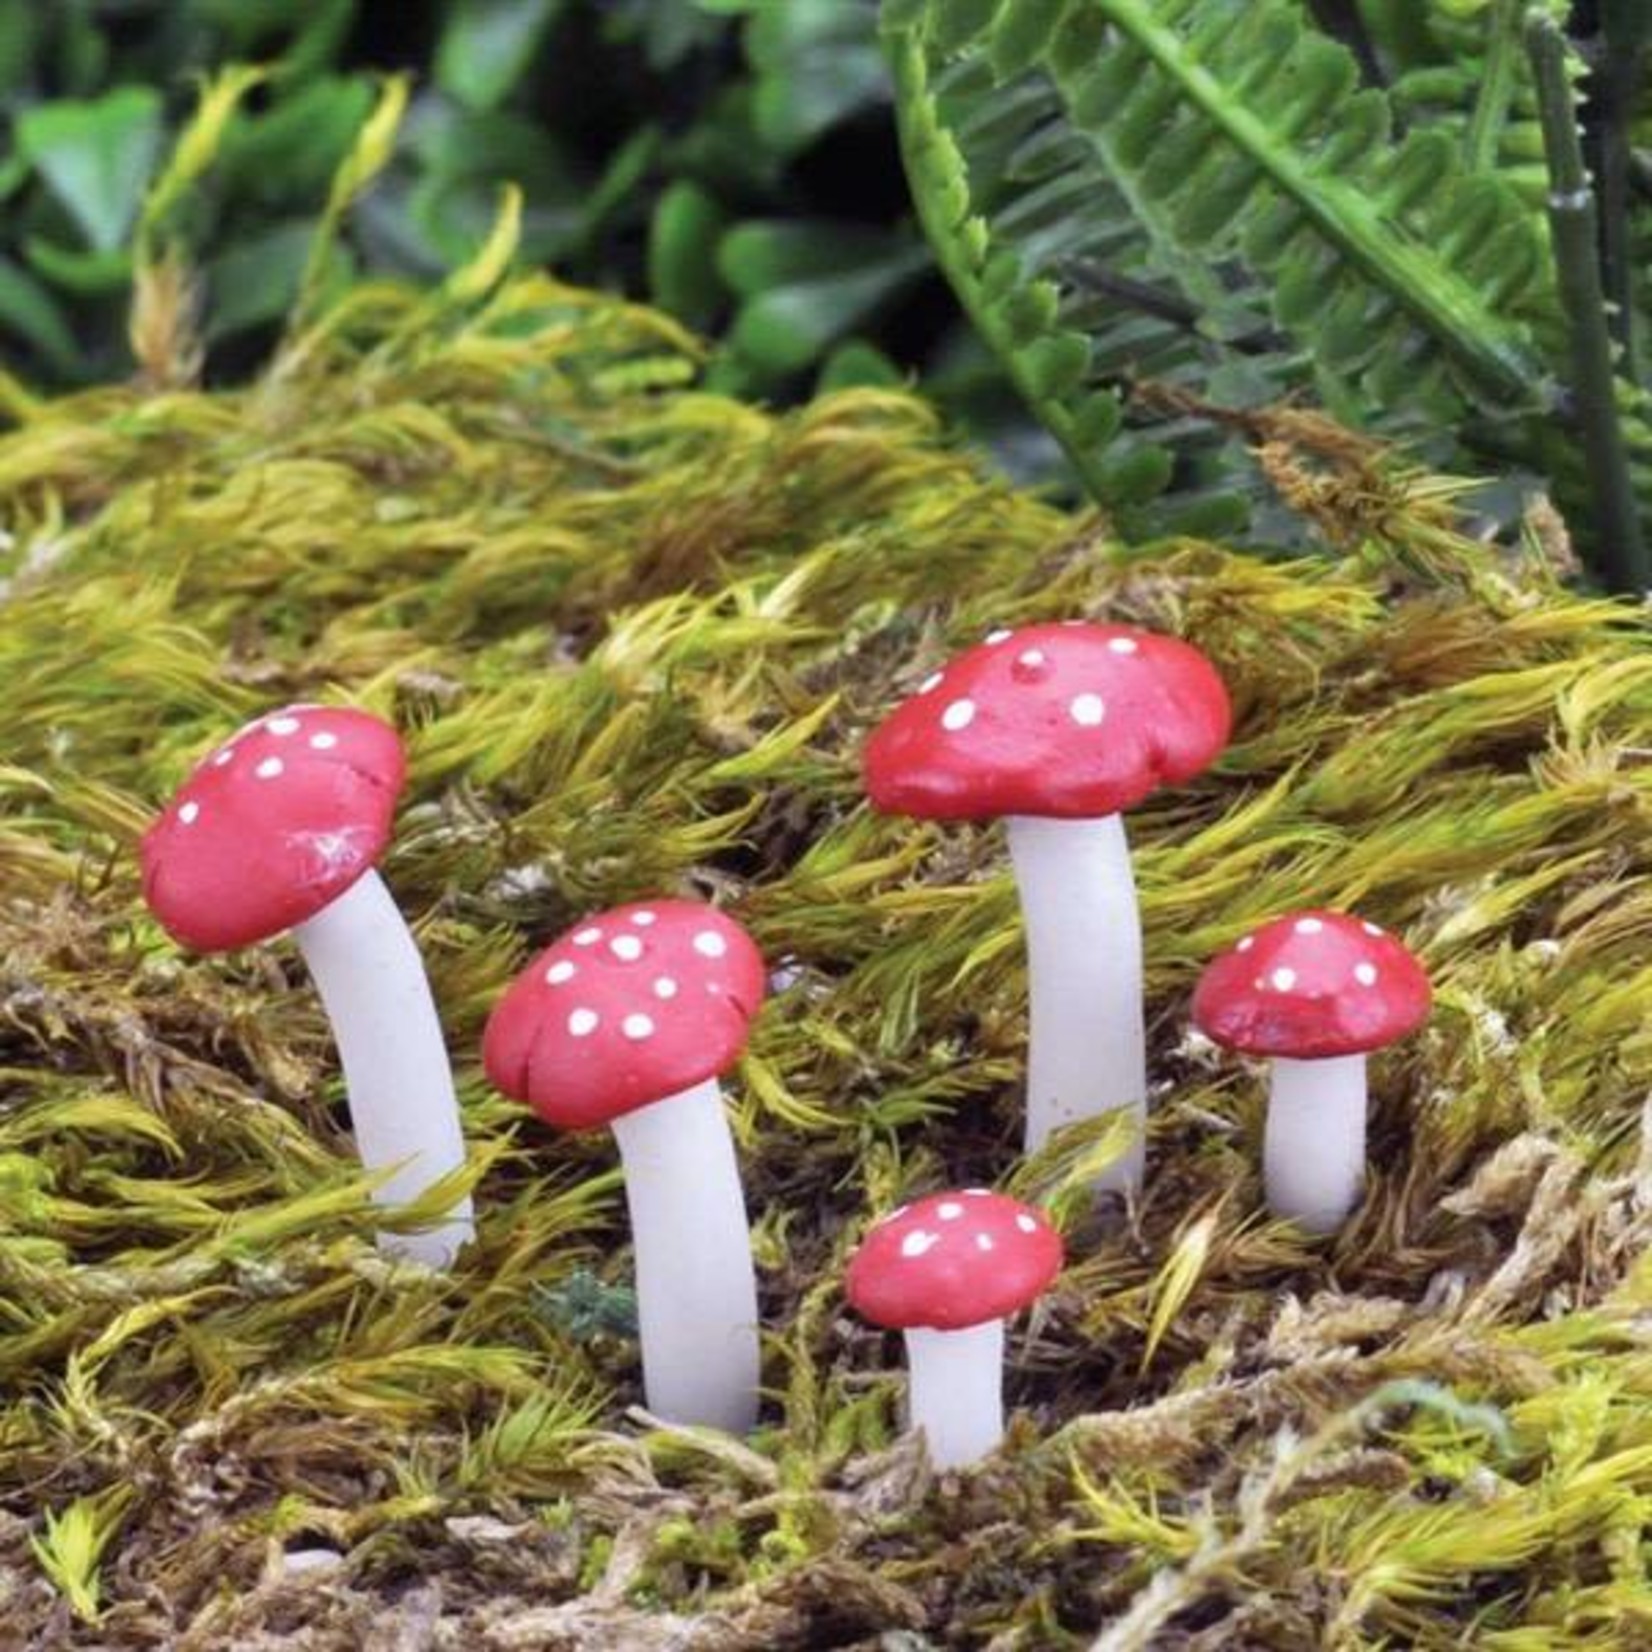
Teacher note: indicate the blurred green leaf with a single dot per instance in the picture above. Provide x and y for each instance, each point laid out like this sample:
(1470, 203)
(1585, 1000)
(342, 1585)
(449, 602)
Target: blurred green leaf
(96, 157)
(20, 28)
(763, 253)
(27, 309)
(487, 45)
(253, 282)
(289, 154)
(90, 274)
(682, 252)
(858, 363)
(817, 62)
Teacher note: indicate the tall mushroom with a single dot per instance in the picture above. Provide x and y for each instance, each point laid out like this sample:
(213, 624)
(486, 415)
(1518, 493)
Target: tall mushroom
(277, 831)
(1316, 991)
(1058, 728)
(628, 1020)
(947, 1271)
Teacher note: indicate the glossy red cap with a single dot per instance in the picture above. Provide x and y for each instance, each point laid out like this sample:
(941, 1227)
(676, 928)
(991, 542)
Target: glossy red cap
(953, 1260)
(625, 1009)
(275, 825)
(1312, 985)
(1072, 720)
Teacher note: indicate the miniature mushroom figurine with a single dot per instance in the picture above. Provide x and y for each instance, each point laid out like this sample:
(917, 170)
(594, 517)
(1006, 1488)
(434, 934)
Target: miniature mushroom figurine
(627, 1021)
(1058, 728)
(1315, 991)
(947, 1271)
(277, 831)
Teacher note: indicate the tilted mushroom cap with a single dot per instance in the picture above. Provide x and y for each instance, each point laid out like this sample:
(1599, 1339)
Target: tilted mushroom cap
(953, 1260)
(1071, 720)
(274, 826)
(625, 1009)
(1311, 985)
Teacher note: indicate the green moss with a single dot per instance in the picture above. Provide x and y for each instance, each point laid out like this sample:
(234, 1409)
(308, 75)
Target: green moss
(635, 634)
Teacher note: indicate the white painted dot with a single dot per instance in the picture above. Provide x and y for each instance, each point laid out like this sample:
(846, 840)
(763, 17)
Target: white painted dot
(959, 715)
(627, 947)
(187, 812)
(559, 972)
(999, 636)
(1026, 1224)
(1260, 984)
(223, 757)
(269, 768)
(588, 937)
(709, 944)
(637, 1026)
(1308, 926)
(1033, 657)
(282, 725)
(977, 1192)
(643, 919)
(582, 1023)
(1087, 710)
(1246, 944)
(323, 741)
(916, 1243)
(949, 1210)
(1284, 979)
(1123, 645)
(932, 682)
(983, 1241)
(1366, 974)
(1370, 929)
(665, 987)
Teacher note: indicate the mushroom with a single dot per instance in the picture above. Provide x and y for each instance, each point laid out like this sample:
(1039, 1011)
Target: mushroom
(277, 831)
(1058, 728)
(947, 1270)
(628, 1020)
(1315, 991)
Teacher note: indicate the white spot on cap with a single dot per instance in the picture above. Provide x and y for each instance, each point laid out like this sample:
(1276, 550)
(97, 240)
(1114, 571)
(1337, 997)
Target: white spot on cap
(983, 1241)
(932, 682)
(915, 1244)
(1026, 1223)
(582, 1023)
(665, 987)
(269, 768)
(222, 757)
(1033, 657)
(187, 812)
(959, 715)
(1366, 974)
(627, 947)
(1246, 944)
(949, 1211)
(1123, 645)
(977, 1192)
(588, 937)
(643, 919)
(1370, 929)
(1284, 979)
(282, 725)
(1087, 710)
(559, 972)
(323, 741)
(637, 1026)
(709, 944)
(1308, 926)
(999, 635)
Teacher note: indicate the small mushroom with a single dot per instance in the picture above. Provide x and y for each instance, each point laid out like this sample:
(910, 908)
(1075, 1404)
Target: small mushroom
(279, 831)
(1058, 728)
(628, 1020)
(1315, 991)
(947, 1271)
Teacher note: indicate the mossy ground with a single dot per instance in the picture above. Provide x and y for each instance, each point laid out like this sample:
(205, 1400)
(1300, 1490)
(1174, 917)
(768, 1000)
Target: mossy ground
(635, 635)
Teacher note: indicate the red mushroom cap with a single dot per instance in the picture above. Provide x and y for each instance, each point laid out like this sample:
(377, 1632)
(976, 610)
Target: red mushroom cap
(625, 1009)
(1311, 985)
(1072, 720)
(953, 1260)
(275, 825)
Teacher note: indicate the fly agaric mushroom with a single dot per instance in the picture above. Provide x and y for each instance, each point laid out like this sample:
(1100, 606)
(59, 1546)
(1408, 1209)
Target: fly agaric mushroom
(947, 1271)
(628, 1020)
(1058, 728)
(1315, 991)
(278, 831)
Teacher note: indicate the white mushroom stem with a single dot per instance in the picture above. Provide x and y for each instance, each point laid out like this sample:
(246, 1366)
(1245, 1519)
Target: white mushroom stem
(406, 1116)
(955, 1391)
(1087, 1044)
(696, 1291)
(1313, 1150)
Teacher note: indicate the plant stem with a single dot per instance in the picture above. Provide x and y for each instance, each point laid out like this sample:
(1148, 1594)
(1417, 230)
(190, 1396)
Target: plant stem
(1625, 27)
(1621, 554)
(1491, 107)
(955, 1385)
(1313, 1147)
